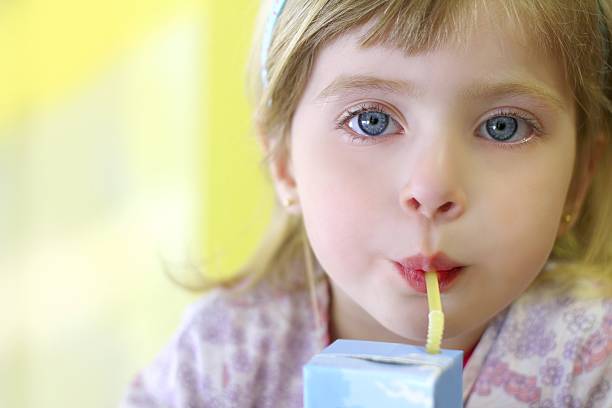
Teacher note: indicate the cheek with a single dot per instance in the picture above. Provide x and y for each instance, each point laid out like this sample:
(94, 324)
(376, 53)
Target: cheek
(335, 213)
(523, 212)
(338, 205)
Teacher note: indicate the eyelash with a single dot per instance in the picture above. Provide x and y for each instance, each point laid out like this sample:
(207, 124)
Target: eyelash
(349, 114)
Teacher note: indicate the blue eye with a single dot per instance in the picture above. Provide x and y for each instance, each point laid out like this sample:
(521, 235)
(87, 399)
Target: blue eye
(509, 128)
(368, 123)
(372, 123)
(501, 128)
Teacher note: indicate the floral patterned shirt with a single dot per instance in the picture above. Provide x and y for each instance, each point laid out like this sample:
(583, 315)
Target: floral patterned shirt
(547, 349)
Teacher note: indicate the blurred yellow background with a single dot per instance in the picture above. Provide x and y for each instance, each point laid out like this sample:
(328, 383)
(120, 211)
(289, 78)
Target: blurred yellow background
(125, 143)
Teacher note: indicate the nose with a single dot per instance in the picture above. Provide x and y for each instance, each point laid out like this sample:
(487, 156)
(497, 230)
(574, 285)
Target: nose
(433, 189)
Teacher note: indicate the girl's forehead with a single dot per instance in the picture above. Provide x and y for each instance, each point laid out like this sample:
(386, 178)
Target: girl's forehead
(450, 25)
(459, 31)
(497, 57)
(419, 26)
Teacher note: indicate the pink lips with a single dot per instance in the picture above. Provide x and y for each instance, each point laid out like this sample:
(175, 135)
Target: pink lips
(412, 269)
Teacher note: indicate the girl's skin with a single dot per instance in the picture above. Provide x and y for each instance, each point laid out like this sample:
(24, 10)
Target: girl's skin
(436, 181)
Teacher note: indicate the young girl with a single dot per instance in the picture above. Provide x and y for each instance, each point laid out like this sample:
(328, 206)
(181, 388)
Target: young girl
(470, 137)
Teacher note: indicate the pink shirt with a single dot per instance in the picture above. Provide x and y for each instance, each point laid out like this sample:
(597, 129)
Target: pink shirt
(547, 349)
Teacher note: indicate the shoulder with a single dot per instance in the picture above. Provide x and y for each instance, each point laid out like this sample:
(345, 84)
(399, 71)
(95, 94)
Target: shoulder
(553, 347)
(228, 345)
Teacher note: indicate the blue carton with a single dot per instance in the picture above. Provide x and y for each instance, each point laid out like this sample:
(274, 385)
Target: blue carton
(368, 374)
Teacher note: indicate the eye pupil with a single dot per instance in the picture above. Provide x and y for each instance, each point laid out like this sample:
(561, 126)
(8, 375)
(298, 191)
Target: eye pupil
(373, 123)
(502, 128)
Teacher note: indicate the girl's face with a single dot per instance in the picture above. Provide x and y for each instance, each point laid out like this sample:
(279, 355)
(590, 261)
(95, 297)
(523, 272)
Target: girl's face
(465, 152)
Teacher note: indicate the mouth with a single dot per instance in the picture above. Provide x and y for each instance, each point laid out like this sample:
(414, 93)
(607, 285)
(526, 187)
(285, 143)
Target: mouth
(439, 261)
(416, 277)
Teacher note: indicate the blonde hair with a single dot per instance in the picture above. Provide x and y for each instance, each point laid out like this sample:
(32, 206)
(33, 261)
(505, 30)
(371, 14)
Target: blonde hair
(569, 32)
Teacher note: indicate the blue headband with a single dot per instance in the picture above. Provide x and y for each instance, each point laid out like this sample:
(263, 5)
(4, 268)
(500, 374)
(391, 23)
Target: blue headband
(277, 9)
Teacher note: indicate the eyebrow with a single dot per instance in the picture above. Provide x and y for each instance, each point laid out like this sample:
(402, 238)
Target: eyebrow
(348, 84)
(358, 84)
(528, 89)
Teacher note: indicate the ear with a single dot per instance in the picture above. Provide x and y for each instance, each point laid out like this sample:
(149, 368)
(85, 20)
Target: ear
(580, 186)
(281, 171)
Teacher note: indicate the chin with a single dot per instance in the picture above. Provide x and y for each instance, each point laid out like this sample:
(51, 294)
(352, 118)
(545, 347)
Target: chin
(412, 330)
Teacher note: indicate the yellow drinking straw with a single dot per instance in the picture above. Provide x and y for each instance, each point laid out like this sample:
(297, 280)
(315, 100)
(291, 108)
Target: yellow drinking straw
(436, 317)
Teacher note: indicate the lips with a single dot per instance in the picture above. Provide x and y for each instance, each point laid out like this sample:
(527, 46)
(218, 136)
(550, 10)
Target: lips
(439, 262)
(412, 270)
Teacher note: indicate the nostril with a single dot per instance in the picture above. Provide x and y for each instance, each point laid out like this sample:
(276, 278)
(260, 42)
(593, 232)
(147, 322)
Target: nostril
(414, 203)
(446, 207)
